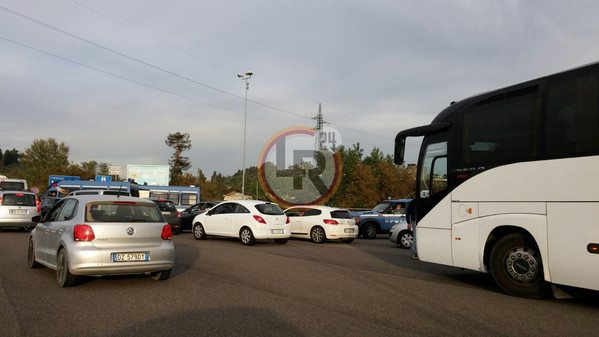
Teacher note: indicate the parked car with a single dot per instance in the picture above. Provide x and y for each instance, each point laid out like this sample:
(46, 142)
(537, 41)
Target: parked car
(249, 220)
(98, 235)
(170, 212)
(381, 218)
(401, 235)
(321, 223)
(18, 208)
(190, 212)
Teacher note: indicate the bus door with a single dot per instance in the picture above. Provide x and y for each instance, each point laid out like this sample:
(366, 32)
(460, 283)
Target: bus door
(432, 184)
(433, 210)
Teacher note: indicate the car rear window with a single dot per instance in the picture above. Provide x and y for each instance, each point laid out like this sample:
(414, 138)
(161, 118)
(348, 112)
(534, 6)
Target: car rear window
(341, 214)
(12, 185)
(111, 211)
(312, 212)
(166, 206)
(17, 199)
(269, 209)
(116, 193)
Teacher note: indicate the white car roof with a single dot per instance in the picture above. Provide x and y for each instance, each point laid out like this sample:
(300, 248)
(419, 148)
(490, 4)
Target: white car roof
(320, 207)
(98, 197)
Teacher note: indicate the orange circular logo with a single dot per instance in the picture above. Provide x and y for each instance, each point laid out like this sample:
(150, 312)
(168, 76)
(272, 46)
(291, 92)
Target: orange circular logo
(296, 167)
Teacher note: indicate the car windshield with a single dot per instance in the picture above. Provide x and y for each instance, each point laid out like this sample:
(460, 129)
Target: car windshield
(269, 209)
(381, 207)
(109, 211)
(17, 199)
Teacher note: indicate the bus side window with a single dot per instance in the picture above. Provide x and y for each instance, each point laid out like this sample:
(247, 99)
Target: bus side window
(439, 175)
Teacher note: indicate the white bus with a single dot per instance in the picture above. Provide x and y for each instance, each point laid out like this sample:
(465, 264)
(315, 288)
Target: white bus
(508, 183)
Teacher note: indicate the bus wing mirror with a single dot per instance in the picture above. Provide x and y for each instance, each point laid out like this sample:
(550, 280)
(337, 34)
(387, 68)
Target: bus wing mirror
(400, 145)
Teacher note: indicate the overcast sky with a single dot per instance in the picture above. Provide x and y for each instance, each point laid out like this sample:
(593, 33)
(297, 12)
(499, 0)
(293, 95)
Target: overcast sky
(111, 79)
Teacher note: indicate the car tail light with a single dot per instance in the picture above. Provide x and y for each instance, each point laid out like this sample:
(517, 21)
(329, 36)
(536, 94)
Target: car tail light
(259, 219)
(330, 222)
(0, 200)
(178, 214)
(167, 232)
(287, 221)
(83, 233)
(38, 204)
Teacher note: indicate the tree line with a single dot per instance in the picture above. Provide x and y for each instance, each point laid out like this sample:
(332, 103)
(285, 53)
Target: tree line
(365, 181)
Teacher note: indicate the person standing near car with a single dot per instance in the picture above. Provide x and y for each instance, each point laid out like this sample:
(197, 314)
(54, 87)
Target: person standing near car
(411, 220)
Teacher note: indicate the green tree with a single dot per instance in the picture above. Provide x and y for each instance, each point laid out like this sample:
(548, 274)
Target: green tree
(350, 158)
(43, 158)
(11, 157)
(376, 156)
(178, 163)
(394, 181)
(364, 190)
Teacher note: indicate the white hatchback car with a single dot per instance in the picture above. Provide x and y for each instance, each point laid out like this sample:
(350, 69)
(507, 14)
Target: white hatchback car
(248, 220)
(18, 208)
(102, 235)
(319, 223)
(401, 235)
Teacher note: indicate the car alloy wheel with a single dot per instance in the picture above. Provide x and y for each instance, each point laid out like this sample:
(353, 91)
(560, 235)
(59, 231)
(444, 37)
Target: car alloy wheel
(317, 234)
(406, 239)
(246, 236)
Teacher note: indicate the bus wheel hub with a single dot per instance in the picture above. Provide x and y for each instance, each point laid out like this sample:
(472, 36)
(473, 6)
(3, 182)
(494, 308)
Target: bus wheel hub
(521, 264)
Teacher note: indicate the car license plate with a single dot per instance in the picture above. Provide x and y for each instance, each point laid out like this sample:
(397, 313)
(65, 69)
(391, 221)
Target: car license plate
(18, 211)
(349, 230)
(277, 231)
(129, 257)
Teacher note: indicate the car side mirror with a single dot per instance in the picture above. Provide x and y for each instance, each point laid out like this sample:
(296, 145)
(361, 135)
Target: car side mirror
(36, 219)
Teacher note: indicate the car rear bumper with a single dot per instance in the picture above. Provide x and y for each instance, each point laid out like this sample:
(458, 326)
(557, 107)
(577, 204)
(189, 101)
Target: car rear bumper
(341, 232)
(96, 262)
(277, 232)
(17, 223)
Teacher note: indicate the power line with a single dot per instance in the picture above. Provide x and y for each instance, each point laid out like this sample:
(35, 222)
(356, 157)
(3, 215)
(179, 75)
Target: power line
(132, 80)
(23, 16)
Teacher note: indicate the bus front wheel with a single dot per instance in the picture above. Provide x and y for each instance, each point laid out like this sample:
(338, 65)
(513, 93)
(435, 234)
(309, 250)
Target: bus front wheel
(517, 267)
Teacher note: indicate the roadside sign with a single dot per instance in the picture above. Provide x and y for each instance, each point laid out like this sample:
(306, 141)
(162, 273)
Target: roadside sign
(35, 190)
(56, 178)
(115, 170)
(103, 178)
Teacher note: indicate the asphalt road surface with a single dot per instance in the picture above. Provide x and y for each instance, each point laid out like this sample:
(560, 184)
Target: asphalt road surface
(222, 288)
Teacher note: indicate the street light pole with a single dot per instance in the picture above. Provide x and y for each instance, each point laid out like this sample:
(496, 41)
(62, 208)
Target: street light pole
(245, 77)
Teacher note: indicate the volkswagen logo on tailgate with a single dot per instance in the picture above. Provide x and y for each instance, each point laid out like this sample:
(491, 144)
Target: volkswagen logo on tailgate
(130, 231)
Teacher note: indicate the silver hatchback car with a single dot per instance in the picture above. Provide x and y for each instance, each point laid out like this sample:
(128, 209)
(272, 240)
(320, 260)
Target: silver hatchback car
(18, 208)
(100, 235)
